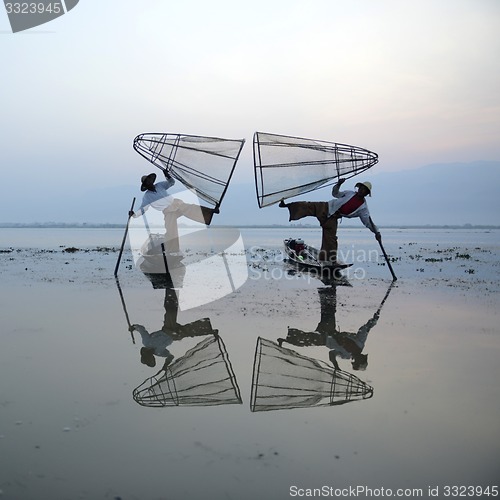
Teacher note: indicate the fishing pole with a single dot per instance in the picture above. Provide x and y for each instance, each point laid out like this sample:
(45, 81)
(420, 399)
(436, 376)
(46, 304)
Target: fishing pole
(124, 238)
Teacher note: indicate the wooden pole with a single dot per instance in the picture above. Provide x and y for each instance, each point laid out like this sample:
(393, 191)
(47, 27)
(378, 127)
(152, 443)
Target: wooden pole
(385, 255)
(387, 260)
(124, 239)
(125, 310)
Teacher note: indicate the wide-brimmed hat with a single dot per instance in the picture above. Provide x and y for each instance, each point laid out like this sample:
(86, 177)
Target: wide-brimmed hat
(144, 178)
(368, 185)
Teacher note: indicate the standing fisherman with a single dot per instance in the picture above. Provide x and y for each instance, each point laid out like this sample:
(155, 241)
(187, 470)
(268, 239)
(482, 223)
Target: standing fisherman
(157, 196)
(343, 204)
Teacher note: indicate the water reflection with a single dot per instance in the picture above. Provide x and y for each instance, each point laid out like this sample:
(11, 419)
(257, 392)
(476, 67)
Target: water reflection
(203, 376)
(284, 379)
(346, 345)
(156, 343)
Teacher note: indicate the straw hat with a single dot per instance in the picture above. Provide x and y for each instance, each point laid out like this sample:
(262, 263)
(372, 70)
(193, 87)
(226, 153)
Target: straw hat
(144, 178)
(368, 185)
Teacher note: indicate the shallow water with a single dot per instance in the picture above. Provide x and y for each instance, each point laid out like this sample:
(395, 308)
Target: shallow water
(70, 427)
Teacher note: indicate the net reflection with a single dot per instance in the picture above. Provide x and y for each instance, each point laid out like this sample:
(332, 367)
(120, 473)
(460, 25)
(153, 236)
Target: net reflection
(284, 379)
(202, 377)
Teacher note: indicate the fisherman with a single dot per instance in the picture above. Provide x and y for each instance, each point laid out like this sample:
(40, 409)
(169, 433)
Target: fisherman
(157, 195)
(343, 204)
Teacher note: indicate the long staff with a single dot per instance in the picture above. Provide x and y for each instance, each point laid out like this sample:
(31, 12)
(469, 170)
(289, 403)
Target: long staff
(387, 260)
(124, 239)
(130, 329)
(394, 278)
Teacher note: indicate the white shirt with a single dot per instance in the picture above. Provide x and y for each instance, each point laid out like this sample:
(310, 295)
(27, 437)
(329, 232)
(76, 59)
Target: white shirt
(159, 199)
(342, 197)
(159, 341)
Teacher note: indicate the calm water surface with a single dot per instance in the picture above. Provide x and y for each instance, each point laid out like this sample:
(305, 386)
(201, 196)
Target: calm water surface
(59, 237)
(245, 406)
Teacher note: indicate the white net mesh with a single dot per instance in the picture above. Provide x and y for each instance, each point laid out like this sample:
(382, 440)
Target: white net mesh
(204, 164)
(289, 166)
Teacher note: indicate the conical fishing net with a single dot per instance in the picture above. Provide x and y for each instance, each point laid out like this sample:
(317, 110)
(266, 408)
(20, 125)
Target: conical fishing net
(289, 166)
(204, 164)
(284, 379)
(202, 377)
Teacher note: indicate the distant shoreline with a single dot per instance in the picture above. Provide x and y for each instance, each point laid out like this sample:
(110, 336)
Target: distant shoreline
(61, 225)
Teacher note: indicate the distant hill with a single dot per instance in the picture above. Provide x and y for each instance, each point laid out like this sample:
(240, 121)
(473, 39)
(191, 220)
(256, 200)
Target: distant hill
(440, 194)
(452, 193)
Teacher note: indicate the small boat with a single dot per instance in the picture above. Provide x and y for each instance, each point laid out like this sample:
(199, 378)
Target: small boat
(162, 269)
(307, 257)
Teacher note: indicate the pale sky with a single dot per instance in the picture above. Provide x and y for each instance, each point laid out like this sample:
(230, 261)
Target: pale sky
(416, 82)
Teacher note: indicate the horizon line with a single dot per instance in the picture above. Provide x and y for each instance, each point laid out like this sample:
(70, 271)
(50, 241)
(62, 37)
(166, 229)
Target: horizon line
(111, 225)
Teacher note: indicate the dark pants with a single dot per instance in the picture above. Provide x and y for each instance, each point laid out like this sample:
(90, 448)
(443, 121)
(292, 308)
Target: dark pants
(319, 209)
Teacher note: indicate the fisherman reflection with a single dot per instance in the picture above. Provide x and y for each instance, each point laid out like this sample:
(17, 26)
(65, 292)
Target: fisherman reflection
(284, 379)
(202, 376)
(156, 343)
(344, 345)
